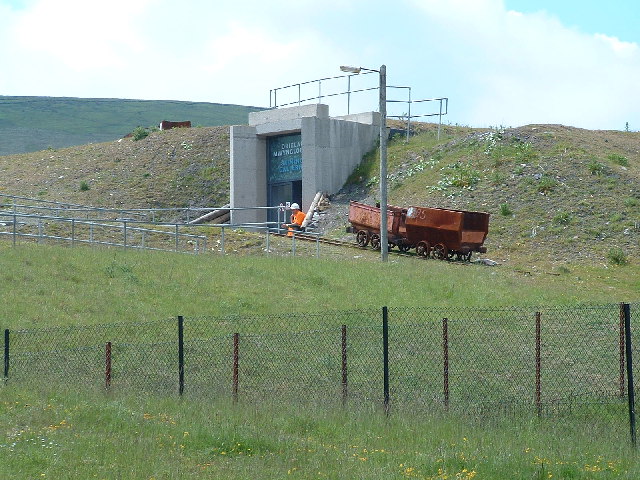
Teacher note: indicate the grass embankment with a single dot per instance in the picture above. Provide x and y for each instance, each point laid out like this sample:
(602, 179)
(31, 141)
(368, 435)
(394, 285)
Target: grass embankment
(64, 436)
(45, 286)
(558, 196)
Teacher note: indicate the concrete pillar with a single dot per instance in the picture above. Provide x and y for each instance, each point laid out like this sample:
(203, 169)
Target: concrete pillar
(248, 174)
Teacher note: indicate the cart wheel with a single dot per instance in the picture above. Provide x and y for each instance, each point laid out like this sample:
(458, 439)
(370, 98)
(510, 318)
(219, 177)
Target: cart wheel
(440, 252)
(423, 249)
(404, 248)
(362, 238)
(375, 241)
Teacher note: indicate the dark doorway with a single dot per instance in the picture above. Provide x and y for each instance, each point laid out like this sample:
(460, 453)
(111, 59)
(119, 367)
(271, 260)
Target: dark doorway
(282, 194)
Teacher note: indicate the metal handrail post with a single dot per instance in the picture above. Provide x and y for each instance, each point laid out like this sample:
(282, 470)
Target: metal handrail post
(409, 115)
(439, 119)
(348, 94)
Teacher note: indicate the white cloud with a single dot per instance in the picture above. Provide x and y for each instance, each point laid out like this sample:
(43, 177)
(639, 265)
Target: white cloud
(621, 48)
(496, 66)
(233, 51)
(83, 35)
(529, 68)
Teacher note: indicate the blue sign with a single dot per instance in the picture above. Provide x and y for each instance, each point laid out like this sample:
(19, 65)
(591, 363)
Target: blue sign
(285, 158)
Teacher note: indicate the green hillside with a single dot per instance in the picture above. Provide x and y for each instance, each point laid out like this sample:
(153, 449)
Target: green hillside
(557, 195)
(29, 124)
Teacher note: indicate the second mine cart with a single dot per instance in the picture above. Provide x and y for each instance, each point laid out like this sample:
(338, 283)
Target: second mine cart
(444, 233)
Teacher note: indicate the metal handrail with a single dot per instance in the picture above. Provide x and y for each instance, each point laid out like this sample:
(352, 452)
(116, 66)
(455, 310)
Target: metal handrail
(273, 100)
(117, 213)
(16, 219)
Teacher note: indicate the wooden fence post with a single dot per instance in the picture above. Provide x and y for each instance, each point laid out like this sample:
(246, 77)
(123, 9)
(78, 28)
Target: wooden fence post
(344, 365)
(236, 365)
(107, 370)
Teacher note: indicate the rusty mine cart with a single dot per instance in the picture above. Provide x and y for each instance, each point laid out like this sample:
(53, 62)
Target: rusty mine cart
(434, 232)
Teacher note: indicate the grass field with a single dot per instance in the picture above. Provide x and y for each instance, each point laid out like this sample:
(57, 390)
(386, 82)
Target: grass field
(67, 432)
(50, 285)
(80, 435)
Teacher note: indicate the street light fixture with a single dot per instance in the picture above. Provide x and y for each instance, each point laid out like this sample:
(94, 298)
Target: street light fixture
(348, 69)
(384, 241)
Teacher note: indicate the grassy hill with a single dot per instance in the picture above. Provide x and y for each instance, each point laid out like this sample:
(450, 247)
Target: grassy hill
(29, 124)
(557, 195)
(171, 168)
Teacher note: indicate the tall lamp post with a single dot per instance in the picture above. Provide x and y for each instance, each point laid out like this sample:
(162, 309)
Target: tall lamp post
(384, 241)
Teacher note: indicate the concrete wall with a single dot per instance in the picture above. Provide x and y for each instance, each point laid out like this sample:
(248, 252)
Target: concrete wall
(282, 119)
(331, 149)
(248, 175)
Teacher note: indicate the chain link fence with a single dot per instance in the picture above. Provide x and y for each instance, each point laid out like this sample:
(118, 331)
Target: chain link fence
(545, 361)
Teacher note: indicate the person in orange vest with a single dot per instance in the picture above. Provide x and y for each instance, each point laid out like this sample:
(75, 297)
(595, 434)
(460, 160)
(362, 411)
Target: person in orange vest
(297, 217)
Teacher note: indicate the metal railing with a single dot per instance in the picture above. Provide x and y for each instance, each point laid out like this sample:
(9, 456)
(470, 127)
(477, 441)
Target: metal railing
(17, 223)
(117, 233)
(407, 115)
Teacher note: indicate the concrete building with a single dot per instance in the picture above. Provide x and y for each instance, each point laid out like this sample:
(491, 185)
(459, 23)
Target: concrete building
(290, 154)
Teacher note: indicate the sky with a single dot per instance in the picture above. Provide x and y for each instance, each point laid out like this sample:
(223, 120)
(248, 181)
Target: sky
(498, 62)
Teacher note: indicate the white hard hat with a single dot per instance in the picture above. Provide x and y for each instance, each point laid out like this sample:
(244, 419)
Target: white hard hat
(295, 206)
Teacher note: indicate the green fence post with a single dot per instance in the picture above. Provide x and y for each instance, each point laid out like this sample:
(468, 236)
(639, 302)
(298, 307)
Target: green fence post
(180, 354)
(6, 355)
(630, 387)
(385, 357)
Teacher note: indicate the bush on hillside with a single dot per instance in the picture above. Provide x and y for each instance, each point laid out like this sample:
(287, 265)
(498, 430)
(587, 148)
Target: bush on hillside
(139, 133)
(617, 256)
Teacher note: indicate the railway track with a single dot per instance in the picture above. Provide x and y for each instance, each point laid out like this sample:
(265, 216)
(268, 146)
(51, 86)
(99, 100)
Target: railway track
(341, 243)
(353, 245)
